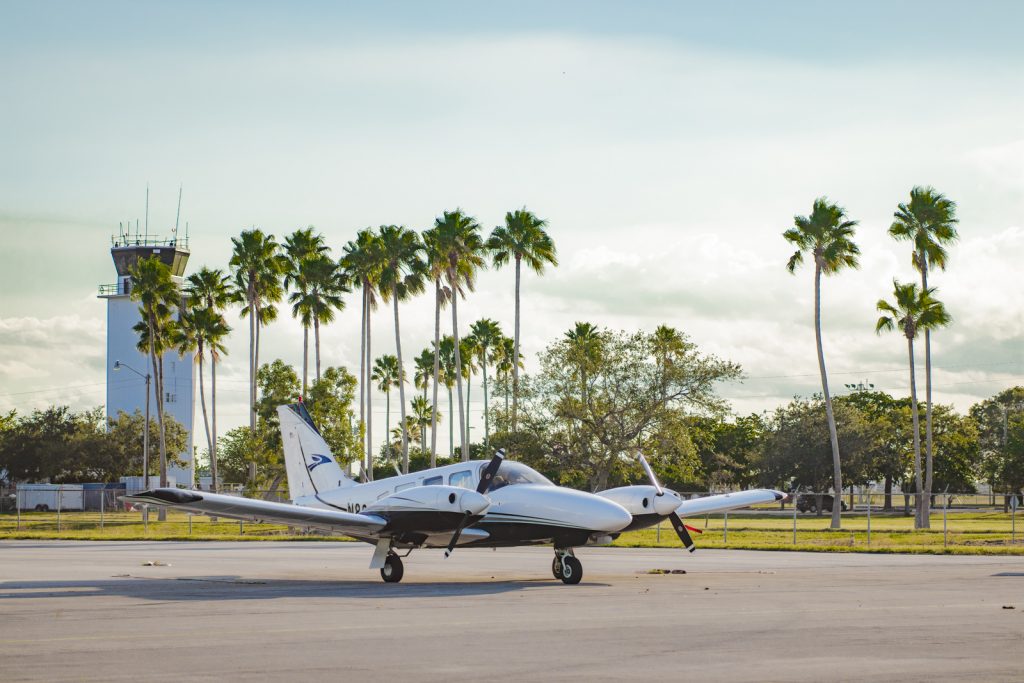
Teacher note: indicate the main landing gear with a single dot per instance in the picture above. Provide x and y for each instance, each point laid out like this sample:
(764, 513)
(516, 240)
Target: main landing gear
(392, 570)
(566, 567)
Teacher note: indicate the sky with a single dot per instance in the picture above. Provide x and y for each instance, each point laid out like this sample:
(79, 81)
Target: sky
(667, 144)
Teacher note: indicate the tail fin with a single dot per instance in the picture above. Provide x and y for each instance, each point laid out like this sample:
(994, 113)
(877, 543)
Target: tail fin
(308, 460)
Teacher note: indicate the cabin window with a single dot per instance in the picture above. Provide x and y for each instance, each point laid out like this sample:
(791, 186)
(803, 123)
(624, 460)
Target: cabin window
(433, 481)
(462, 479)
(402, 487)
(384, 495)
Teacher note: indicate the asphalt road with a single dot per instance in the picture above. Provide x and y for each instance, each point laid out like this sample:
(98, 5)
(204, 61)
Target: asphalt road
(312, 611)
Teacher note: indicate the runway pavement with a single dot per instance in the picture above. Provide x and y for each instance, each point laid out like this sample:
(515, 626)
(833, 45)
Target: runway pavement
(312, 611)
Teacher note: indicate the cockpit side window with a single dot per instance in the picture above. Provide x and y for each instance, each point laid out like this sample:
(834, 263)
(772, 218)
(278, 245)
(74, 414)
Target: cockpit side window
(511, 473)
(433, 481)
(462, 478)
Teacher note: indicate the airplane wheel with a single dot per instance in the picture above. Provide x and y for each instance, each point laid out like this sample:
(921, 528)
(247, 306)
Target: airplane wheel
(556, 568)
(392, 570)
(572, 570)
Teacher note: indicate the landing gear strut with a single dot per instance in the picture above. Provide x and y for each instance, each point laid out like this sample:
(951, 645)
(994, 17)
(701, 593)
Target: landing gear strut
(392, 570)
(566, 567)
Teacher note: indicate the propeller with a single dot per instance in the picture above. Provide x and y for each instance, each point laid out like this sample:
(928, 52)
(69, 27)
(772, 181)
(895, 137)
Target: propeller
(485, 481)
(677, 522)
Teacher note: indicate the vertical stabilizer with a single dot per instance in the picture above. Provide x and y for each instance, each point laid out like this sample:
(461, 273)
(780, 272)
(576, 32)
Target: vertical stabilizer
(310, 465)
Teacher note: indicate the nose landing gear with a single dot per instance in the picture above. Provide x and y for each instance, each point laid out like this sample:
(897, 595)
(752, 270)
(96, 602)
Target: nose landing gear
(566, 567)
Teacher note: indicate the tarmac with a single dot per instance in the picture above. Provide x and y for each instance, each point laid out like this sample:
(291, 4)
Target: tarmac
(313, 611)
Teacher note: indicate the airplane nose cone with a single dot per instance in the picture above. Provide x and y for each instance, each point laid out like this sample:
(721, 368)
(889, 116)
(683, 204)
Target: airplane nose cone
(474, 503)
(665, 505)
(609, 516)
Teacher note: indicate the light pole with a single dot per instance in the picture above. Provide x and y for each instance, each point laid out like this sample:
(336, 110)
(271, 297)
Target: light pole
(145, 431)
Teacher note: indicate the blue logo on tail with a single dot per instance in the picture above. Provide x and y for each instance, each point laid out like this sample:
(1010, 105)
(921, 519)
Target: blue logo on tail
(317, 461)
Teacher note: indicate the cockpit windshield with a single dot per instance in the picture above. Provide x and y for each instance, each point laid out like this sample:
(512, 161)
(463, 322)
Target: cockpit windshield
(511, 473)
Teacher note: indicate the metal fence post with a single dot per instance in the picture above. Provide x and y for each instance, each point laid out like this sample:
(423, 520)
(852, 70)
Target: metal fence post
(190, 524)
(659, 532)
(945, 528)
(60, 496)
(725, 529)
(240, 531)
(17, 505)
(794, 521)
(869, 518)
(103, 500)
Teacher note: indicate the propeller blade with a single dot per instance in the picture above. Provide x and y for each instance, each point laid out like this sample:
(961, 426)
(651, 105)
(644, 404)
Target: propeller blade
(680, 528)
(488, 474)
(650, 474)
(458, 532)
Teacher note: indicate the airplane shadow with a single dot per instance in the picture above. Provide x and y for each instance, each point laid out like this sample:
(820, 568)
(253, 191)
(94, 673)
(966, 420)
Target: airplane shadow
(218, 588)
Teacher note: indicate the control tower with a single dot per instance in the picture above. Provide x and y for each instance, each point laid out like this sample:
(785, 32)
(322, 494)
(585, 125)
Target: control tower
(126, 391)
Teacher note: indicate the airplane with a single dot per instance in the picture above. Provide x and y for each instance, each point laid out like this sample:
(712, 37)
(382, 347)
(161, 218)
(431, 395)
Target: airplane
(496, 503)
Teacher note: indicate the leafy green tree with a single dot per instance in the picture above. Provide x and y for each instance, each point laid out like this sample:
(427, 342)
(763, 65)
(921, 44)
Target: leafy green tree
(914, 310)
(257, 265)
(630, 404)
(797, 447)
(889, 420)
(158, 296)
(402, 275)
(929, 221)
(522, 238)
(278, 385)
(330, 402)
(827, 235)
(728, 451)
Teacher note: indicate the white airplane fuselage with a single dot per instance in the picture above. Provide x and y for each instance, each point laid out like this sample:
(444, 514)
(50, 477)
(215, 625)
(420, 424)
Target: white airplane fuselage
(518, 513)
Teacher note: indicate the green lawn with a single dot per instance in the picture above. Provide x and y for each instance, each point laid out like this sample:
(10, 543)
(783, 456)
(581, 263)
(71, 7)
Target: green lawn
(969, 532)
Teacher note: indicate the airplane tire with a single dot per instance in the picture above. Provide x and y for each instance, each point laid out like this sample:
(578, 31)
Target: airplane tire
(572, 570)
(556, 568)
(392, 570)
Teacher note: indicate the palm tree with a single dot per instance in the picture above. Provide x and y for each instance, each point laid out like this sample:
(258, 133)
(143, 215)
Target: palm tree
(323, 283)
(158, 295)
(827, 235)
(361, 264)
(212, 290)
(468, 350)
(299, 248)
(424, 370)
(401, 276)
(387, 374)
(421, 412)
(913, 310)
(436, 263)
(929, 220)
(521, 238)
(669, 344)
(504, 352)
(462, 248)
(257, 265)
(488, 336)
(446, 361)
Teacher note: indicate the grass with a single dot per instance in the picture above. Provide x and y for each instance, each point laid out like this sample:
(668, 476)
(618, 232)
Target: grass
(970, 533)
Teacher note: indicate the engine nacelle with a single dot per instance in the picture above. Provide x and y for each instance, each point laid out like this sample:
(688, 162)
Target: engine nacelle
(644, 500)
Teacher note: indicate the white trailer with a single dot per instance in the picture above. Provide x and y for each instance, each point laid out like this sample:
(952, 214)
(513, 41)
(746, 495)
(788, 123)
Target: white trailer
(43, 497)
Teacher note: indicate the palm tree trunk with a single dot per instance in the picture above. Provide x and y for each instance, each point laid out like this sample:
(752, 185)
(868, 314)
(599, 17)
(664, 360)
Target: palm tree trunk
(316, 344)
(469, 389)
(437, 371)
(387, 420)
(487, 424)
(836, 470)
(213, 410)
(917, 437)
(451, 425)
(162, 514)
(252, 383)
(202, 400)
(362, 385)
(401, 391)
(305, 361)
(369, 388)
(458, 373)
(515, 353)
(255, 393)
(927, 497)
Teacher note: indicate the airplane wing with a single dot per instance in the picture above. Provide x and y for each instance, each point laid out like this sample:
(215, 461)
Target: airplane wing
(358, 525)
(728, 501)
